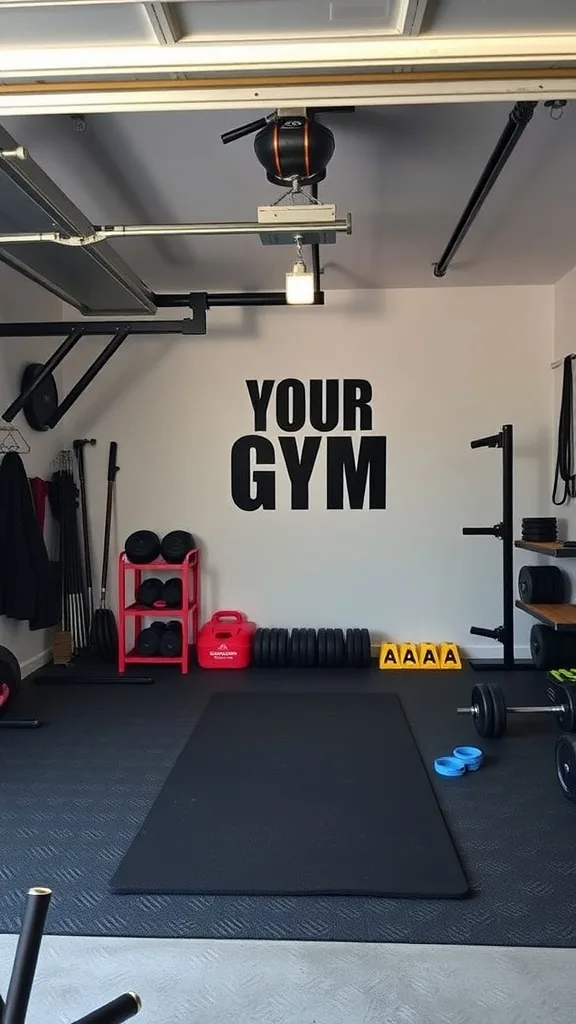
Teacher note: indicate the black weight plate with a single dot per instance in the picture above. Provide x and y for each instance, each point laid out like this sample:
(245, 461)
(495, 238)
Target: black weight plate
(170, 643)
(500, 712)
(311, 648)
(330, 648)
(366, 648)
(273, 649)
(256, 649)
(142, 547)
(539, 519)
(294, 648)
(565, 695)
(265, 648)
(282, 648)
(302, 648)
(357, 648)
(43, 402)
(350, 647)
(544, 647)
(541, 536)
(541, 584)
(339, 649)
(566, 765)
(484, 717)
(176, 545)
(10, 677)
(321, 648)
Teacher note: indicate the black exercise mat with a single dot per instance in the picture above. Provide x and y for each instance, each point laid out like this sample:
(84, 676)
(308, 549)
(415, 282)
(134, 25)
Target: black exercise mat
(296, 794)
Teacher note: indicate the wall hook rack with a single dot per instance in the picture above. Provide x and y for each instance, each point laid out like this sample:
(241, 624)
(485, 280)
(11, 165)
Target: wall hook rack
(11, 440)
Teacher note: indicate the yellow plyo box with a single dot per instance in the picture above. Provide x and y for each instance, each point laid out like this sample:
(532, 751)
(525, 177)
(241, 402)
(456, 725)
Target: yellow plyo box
(423, 656)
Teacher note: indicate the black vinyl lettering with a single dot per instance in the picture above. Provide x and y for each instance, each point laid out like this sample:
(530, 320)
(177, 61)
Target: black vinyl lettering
(357, 396)
(371, 464)
(324, 412)
(299, 467)
(290, 405)
(409, 656)
(260, 399)
(450, 657)
(429, 656)
(242, 477)
(390, 656)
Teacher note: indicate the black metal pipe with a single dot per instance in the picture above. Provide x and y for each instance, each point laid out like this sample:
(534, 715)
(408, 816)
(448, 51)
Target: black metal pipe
(115, 1012)
(518, 119)
(93, 328)
(50, 365)
(214, 299)
(481, 531)
(508, 544)
(26, 956)
(493, 441)
(493, 634)
(87, 377)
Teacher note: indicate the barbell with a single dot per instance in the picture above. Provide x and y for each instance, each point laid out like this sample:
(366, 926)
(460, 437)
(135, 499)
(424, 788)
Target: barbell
(490, 713)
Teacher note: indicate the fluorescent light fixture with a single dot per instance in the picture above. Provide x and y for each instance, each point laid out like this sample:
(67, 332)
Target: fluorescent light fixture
(300, 286)
(299, 281)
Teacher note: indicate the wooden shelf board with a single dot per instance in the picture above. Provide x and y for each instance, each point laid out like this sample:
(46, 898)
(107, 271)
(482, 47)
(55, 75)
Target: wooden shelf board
(552, 548)
(558, 616)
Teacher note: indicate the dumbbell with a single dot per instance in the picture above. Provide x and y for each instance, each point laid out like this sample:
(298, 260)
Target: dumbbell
(490, 713)
(149, 639)
(170, 645)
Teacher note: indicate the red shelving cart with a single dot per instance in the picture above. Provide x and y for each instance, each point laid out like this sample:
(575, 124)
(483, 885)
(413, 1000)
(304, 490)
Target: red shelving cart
(189, 570)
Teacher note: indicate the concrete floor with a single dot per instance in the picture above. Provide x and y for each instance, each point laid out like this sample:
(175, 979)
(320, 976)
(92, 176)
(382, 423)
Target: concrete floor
(201, 981)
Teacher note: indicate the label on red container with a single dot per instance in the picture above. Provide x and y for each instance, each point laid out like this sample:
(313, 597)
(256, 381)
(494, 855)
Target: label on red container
(223, 653)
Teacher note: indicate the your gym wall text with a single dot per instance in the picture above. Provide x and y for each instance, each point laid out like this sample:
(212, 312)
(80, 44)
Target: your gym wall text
(355, 466)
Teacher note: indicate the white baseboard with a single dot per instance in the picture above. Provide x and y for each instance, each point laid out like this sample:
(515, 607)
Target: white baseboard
(32, 664)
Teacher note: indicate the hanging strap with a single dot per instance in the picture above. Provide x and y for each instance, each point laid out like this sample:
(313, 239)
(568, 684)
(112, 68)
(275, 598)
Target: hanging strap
(565, 454)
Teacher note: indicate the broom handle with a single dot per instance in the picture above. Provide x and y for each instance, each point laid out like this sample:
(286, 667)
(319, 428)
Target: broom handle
(112, 471)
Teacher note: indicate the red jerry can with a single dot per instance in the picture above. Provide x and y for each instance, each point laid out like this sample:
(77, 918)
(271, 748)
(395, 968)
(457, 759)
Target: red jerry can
(226, 641)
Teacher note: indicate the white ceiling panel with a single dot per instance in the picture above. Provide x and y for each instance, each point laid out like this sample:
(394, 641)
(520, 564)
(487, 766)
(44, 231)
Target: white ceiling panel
(75, 26)
(495, 17)
(254, 19)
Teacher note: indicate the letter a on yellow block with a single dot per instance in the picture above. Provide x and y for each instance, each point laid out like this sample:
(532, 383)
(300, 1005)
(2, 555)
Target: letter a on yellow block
(449, 656)
(389, 657)
(428, 656)
(409, 656)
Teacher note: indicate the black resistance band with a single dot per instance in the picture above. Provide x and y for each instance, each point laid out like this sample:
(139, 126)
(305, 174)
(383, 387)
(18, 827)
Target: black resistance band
(565, 455)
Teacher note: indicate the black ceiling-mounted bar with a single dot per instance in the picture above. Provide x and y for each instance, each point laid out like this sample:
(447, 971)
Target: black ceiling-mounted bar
(95, 328)
(518, 119)
(169, 300)
(48, 367)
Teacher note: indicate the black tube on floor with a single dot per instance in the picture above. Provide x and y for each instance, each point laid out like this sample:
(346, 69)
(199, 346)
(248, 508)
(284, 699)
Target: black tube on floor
(114, 1012)
(26, 957)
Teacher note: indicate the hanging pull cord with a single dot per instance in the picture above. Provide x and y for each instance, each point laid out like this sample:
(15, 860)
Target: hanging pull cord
(565, 455)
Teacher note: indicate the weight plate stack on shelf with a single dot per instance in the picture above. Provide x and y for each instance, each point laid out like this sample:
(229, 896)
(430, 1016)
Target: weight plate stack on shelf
(339, 649)
(282, 648)
(273, 649)
(256, 651)
(541, 584)
(539, 529)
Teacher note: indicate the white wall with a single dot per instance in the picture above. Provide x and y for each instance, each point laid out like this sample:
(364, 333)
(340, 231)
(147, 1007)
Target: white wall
(20, 299)
(446, 366)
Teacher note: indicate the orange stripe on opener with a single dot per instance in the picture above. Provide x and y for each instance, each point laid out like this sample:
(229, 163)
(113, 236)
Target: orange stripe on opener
(276, 147)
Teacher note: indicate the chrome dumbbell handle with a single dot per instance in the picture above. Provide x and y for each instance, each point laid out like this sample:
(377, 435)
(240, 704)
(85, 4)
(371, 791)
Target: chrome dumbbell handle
(554, 708)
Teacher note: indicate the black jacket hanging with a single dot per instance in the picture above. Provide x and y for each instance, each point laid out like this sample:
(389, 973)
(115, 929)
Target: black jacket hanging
(27, 576)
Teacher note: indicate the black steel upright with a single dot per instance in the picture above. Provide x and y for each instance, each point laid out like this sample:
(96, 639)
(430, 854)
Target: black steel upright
(504, 530)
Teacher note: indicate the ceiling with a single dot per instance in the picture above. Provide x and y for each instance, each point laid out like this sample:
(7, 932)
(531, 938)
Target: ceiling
(71, 23)
(403, 172)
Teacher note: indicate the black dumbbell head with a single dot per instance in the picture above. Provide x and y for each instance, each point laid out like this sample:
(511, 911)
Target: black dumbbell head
(149, 592)
(142, 547)
(172, 592)
(176, 545)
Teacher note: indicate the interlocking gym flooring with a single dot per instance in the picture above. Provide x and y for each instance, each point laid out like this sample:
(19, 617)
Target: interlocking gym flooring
(75, 793)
